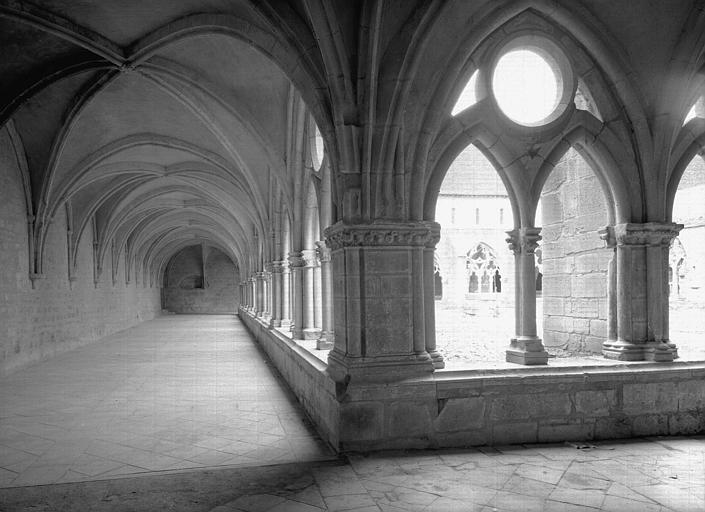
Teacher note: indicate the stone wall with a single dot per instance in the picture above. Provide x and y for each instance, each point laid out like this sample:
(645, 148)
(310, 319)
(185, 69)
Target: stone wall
(305, 374)
(574, 258)
(57, 315)
(187, 290)
(494, 407)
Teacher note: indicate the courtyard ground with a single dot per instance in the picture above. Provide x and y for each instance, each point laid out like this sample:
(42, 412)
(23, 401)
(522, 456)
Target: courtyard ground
(479, 336)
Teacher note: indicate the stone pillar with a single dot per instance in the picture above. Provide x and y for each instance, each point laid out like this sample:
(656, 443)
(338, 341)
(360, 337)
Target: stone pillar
(310, 331)
(642, 293)
(296, 263)
(607, 234)
(267, 281)
(325, 342)
(430, 308)
(378, 300)
(285, 295)
(252, 285)
(526, 348)
(259, 287)
(276, 270)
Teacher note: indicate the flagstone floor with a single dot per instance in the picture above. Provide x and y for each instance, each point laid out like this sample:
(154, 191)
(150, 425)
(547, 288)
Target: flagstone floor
(643, 475)
(184, 414)
(178, 392)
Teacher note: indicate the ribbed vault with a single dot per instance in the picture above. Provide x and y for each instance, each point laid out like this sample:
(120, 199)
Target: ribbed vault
(149, 128)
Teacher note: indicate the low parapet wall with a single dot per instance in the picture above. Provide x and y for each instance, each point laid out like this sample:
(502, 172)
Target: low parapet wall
(469, 408)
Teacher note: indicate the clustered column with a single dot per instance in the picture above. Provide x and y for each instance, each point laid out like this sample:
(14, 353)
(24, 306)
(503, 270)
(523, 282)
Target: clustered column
(642, 293)
(526, 347)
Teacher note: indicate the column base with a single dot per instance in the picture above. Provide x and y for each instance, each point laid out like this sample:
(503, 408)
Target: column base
(296, 333)
(527, 350)
(274, 323)
(326, 341)
(311, 334)
(343, 368)
(437, 358)
(285, 324)
(647, 351)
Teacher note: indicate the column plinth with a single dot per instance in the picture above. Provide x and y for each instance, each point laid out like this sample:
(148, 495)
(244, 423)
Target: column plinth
(641, 292)
(378, 300)
(526, 347)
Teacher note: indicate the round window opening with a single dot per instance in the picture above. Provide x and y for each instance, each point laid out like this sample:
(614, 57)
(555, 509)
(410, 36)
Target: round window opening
(527, 87)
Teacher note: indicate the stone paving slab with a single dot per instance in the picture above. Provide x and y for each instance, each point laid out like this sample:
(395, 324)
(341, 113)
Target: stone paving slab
(178, 392)
(652, 475)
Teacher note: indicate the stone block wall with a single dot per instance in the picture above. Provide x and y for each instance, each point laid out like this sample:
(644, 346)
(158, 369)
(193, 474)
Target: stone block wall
(187, 290)
(57, 315)
(574, 259)
(494, 407)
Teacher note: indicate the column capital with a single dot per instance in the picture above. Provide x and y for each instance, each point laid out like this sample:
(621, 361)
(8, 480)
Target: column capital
(276, 267)
(524, 240)
(323, 252)
(646, 234)
(296, 260)
(405, 234)
(310, 257)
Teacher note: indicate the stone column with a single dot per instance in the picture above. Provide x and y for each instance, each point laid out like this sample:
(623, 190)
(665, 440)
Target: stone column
(259, 286)
(252, 284)
(310, 331)
(267, 278)
(378, 300)
(296, 263)
(325, 342)
(285, 295)
(430, 308)
(276, 270)
(526, 348)
(642, 293)
(607, 234)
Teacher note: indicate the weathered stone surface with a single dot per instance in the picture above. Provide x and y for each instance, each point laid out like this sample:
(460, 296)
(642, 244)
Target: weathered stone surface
(594, 403)
(521, 406)
(409, 419)
(691, 395)
(461, 414)
(361, 421)
(515, 433)
(650, 425)
(647, 398)
(566, 432)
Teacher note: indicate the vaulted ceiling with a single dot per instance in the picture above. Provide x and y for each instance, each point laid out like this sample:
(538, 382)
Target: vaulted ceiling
(148, 123)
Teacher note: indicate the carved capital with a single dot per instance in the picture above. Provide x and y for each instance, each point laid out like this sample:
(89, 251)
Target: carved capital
(383, 234)
(323, 252)
(647, 234)
(310, 258)
(296, 260)
(276, 267)
(524, 240)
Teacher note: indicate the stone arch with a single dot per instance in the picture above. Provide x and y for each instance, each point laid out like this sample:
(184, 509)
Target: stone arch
(596, 69)
(452, 145)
